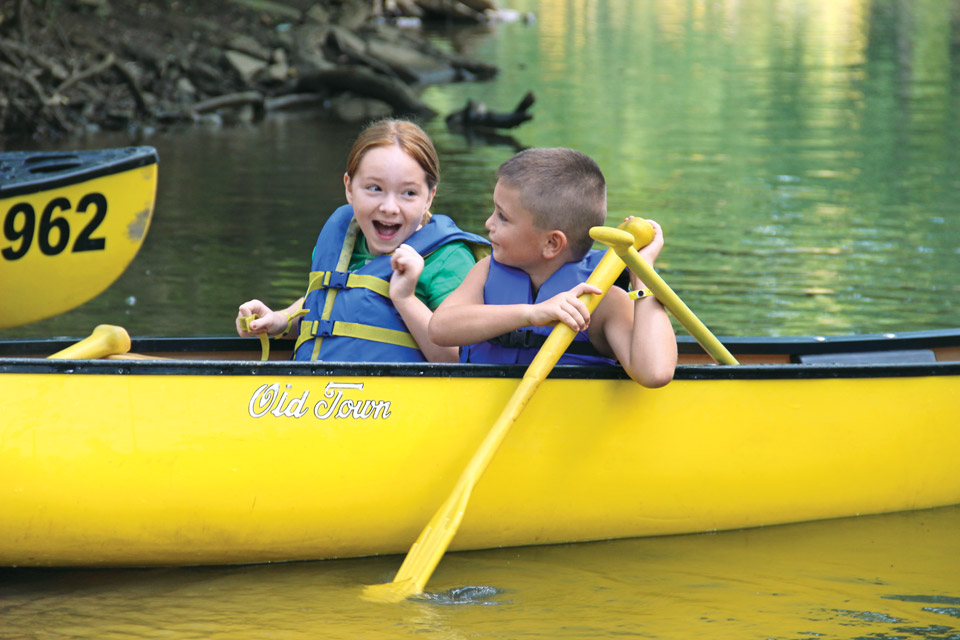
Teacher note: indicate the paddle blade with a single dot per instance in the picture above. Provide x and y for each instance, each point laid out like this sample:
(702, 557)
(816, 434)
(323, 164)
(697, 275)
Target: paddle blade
(105, 340)
(426, 552)
(390, 592)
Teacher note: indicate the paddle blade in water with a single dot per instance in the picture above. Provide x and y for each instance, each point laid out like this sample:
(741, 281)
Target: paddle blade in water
(389, 592)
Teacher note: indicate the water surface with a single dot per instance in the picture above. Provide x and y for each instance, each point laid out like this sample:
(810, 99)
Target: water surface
(878, 577)
(801, 155)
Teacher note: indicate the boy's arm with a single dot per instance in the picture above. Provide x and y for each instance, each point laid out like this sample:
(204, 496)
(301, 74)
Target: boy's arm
(638, 333)
(463, 318)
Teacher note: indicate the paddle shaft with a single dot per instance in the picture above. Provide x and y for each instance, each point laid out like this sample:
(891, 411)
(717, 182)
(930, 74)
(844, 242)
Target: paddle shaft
(672, 301)
(105, 340)
(429, 548)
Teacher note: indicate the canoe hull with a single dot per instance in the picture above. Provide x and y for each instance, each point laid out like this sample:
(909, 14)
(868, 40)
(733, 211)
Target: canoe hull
(212, 469)
(72, 225)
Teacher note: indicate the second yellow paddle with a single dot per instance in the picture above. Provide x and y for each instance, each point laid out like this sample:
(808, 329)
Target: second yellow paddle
(622, 242)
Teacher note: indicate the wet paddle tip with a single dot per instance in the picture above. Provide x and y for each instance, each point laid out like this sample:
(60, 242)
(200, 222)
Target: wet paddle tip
(389, 592)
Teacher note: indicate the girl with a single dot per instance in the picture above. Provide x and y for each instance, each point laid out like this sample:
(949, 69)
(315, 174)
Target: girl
(382, 263)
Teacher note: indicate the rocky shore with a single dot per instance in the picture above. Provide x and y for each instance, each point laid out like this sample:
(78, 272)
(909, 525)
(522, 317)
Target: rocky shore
(69, 66)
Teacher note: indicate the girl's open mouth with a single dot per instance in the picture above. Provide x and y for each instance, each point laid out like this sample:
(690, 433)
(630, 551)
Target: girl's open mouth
(385, 230)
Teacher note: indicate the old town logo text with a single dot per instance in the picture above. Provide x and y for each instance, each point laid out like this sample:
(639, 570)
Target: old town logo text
(269, 399)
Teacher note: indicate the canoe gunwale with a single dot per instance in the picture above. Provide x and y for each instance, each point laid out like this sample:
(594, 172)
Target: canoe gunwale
(191, 356)
(26, 174)
(794, 345)
(453, 370)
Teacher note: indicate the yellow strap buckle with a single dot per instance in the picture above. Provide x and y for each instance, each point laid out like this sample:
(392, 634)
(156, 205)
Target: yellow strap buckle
(264, 340)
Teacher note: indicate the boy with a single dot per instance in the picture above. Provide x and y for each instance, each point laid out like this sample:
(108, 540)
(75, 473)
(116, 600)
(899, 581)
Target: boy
(545, 202)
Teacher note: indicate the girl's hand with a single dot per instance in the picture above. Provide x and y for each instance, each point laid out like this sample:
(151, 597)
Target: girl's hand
(564, 307)
(407, 266)
(267, 321)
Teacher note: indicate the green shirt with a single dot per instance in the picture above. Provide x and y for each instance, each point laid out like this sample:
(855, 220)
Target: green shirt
(443, 270)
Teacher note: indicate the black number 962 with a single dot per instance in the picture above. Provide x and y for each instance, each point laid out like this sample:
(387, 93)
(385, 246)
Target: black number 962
(52, 231)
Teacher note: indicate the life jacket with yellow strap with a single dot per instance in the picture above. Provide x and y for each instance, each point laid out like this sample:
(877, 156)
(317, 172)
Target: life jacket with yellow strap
(348, 315)
(508, 285)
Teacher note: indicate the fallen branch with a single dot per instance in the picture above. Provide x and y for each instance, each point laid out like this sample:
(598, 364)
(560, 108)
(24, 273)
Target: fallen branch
(28, 80)
(240, 99)
(54, 68)
(363, 82)
(131, 81)
(105, 64)
(293, 101)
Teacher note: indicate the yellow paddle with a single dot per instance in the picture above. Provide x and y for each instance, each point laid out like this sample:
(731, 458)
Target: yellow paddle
(426, 552)
(622, 243)
(105, 340)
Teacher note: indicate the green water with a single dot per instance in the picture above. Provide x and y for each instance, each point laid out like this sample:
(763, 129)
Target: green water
(801, 155)
(882, 577)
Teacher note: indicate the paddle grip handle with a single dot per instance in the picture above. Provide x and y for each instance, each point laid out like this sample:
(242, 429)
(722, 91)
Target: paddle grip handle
(105, 340)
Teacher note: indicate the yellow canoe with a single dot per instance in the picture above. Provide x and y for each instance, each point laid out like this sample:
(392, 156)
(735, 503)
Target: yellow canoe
(209, 457)
(72, 222)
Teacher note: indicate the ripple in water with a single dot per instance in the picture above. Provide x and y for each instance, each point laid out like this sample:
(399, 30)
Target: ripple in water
(471, 595)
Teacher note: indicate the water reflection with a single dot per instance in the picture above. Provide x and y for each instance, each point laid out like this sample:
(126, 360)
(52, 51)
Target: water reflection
(877, 577)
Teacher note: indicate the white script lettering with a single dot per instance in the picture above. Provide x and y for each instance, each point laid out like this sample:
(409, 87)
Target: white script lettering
(269, 398)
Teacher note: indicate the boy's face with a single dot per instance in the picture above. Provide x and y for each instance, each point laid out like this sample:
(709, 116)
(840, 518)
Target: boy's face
(389, 194)
(516, 241)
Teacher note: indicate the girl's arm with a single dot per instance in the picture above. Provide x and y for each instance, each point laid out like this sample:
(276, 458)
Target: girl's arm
(407, 266)
(268, 321)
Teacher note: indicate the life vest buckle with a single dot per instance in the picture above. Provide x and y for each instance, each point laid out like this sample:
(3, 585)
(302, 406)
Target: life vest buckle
(338, 279)
(519, 339)
(321, 328)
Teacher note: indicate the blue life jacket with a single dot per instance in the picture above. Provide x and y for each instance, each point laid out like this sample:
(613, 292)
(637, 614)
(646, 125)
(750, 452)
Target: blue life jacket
(507, 285)
(349, 316)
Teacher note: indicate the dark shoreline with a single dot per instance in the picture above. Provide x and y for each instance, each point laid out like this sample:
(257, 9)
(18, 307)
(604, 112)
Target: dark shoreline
(68, 68)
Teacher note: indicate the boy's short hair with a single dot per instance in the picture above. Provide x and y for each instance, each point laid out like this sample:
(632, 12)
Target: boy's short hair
(563, 189)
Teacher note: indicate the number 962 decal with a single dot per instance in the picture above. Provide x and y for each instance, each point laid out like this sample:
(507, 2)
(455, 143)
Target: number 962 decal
(59, 227)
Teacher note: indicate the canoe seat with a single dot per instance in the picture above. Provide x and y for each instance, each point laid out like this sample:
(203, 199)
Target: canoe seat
(906, 356)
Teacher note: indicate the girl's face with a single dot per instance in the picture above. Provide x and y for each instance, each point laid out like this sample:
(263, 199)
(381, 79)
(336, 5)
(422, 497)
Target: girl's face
(389, 194)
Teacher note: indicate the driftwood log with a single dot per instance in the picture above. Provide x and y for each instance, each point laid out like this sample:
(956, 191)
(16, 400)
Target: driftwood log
(365, 82)
(476, 115)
